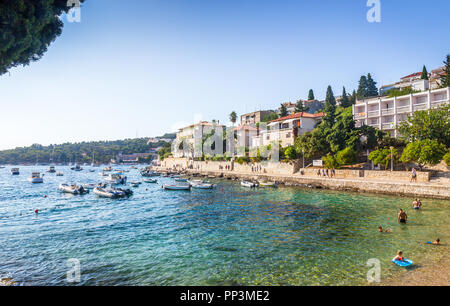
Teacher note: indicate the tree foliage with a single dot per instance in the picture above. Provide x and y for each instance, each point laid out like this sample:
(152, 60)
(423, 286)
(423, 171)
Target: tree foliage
(283, 110)
(311, 95)
(103, 151)
(427, 124)
(424, 152)
(424, 75)
(445, 78)
(27, 28)
(233, 117)
(299, 107)
(382, 156)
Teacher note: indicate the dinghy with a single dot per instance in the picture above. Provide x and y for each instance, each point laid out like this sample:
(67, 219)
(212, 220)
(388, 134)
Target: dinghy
(15, 171)
(267, 184)
(116, 179)
(180, 180)
(203, 186)
(149, 180)
(248, 184)
(176, 187)
(72, 189)
(111, 193)
(89, 186)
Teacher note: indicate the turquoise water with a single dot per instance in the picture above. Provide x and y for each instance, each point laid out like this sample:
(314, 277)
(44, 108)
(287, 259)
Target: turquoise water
(228, 236)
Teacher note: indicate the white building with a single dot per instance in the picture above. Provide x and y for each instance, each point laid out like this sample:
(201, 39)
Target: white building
(186, 137)
(386, 113)
(284, 130)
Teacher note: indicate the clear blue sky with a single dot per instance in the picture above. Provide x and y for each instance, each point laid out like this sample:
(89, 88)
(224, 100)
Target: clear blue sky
(147, 67)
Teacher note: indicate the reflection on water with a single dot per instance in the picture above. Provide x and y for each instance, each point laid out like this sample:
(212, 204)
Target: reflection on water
(227, 236)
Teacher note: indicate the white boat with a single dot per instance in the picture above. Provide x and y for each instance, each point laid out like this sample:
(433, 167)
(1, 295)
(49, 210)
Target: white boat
(248, 184)
(103, 174)
(149, 180)
(15, 171)
(181, 180)
(59, 174)
(267, 184)
(116, 179)
(134, 184)
(89, 186)
(111, 193)
(72, 189)
(203, 186)
(176, 187)
(107, 169)
(36, 178)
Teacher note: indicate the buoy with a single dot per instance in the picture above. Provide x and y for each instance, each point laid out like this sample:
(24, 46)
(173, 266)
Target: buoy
(36, 211)
(45, 195)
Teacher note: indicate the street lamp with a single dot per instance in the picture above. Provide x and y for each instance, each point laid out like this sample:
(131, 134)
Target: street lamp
(392, 158)
(303, 151)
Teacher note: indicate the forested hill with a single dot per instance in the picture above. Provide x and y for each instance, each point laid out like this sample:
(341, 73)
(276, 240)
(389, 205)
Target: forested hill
(81, 152)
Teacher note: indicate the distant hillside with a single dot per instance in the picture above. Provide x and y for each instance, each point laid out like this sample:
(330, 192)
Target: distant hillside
(77, 152)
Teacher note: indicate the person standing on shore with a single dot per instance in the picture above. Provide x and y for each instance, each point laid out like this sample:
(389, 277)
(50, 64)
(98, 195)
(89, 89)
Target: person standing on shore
(413, 175)
(402, 216)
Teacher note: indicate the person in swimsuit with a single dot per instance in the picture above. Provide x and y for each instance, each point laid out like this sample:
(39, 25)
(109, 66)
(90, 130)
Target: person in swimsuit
(399, 256)
(437, 242)
(402, 217)
(380, 229)
(416, 204)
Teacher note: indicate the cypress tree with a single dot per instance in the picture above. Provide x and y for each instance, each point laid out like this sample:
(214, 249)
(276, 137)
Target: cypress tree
(330, 108)
(283, 110)
(299, 107)
(424, 75)
(445, 78)
(345, 101)
(372, 89)
(362, 88)
(311, 95)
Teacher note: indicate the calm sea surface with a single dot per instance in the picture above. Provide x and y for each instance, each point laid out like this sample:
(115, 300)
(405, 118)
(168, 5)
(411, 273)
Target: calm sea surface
(227, 236)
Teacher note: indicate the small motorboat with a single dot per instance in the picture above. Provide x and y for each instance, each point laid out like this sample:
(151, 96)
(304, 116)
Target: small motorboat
(267, 184)
(203, 185)
(59, 174)
(248, 184)
(103, 174)
(149, 173)
(91, 170)
(180, 180)
(36, 178)
(15, 171)
(51, 169)
(107, 169)
(72, 189)
(112, 193)
(135, 184)
(176, 187)
(149, 180)
(76, 168)
(116, 179)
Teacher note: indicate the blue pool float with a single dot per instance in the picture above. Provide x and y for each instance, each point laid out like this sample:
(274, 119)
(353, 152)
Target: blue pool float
(404, 263)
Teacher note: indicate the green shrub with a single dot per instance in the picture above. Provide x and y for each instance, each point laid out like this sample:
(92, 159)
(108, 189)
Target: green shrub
(424, 152)
(290, 153)
(447, 159)
(330, 161)
(348, 156)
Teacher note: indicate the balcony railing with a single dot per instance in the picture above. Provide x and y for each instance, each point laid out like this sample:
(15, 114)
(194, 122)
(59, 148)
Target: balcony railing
(420, 106)
(389, 111)
(388, 126)
(438, 103)
(360, 115)
(403, 109)
(374, 113)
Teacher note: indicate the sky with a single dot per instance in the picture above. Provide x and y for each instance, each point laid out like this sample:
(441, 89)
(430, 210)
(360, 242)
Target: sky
(141, 68)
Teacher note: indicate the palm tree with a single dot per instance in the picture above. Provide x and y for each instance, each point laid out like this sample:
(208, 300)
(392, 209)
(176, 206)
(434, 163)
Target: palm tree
(233, 117)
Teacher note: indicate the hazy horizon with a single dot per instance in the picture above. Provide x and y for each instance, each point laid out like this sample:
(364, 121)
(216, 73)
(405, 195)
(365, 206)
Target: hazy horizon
(145, 68)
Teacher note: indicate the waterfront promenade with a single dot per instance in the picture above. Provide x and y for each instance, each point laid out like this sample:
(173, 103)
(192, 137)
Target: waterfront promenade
(385, 182)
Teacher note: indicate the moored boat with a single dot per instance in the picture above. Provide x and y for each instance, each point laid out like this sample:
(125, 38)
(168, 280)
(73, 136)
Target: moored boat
(248, 184)
(202, 186)
(176, 187)
(112, 193)
(116, 179)
(51, 169)
(59, 174)
(76, 168)
(36, 178)
(89, 186)
(72, 189)
(15, 171)
(149, 180)
(267, 184)
(180, 180)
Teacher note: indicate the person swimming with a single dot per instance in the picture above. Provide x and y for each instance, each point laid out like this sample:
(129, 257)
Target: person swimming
(402, 216)
(380, 229)
(399, 256)
(436, 242)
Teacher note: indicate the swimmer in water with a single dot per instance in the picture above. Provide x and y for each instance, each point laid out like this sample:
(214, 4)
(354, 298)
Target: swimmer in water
(380, 229)
(399, 256)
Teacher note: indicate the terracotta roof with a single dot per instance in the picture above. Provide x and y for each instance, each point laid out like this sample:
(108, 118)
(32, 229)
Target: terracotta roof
(412, 75)
(299, 115)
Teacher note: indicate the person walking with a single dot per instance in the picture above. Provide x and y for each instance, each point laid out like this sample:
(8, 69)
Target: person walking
(413, 175)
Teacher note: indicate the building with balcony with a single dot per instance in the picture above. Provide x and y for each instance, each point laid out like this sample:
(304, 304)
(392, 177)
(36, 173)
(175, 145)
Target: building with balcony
(386, 113)
(186, 137)
(284, 130)
(255, 117)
